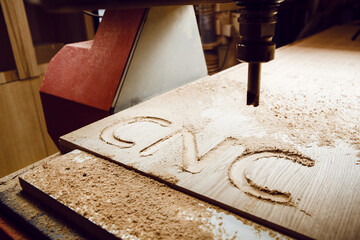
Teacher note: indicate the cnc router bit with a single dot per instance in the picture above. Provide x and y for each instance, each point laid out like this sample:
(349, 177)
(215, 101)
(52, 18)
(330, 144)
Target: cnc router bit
(257, 27)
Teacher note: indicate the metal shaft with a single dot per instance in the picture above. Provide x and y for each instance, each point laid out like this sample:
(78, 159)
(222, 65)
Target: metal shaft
(257, 27)
(253, 89)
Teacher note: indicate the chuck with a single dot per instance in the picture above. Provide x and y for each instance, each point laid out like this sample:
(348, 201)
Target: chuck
(257, 27)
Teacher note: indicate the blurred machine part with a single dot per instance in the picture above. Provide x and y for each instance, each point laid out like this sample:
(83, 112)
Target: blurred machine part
(210, 41)
(135, 55)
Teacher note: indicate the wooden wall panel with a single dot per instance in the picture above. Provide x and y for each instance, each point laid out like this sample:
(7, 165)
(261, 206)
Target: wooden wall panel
(20, 38)
(21, 139)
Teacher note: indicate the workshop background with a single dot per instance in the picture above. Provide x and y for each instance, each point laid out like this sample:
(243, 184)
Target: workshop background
(30, 36)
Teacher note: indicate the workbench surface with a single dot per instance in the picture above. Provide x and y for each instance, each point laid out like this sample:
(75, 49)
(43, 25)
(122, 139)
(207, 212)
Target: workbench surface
(32, 219)
(37, 220)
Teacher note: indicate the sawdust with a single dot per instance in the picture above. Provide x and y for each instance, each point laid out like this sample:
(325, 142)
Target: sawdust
(171, 179)
(313, 114)
(267, 190)
(34, 214)
(308, 111)
(124, 203)
(284, 152)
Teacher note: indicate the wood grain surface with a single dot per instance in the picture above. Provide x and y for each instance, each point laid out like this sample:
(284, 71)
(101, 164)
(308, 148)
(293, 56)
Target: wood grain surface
(23, 135)
(21, 140)
(20, 38)
(292, 163)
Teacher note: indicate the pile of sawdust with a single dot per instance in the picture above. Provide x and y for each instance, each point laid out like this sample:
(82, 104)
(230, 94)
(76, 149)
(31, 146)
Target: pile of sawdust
(123, 202)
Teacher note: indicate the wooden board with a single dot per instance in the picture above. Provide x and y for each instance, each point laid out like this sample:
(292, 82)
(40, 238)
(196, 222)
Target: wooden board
(20, 38)
(11, 75)
(21, 138)
(292, 163)
(86, 190)
(23, 135)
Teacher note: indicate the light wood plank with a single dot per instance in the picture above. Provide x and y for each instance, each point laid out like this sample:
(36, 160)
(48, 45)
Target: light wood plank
(8, 76)
(291, 163)
(20, 38)
(339, 37)
(21, 141)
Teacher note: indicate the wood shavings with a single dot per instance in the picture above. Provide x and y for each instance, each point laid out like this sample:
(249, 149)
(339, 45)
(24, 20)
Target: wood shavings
(131, 206)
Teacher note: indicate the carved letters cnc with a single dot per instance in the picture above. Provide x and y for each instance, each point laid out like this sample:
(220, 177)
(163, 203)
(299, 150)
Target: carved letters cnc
(119, 135)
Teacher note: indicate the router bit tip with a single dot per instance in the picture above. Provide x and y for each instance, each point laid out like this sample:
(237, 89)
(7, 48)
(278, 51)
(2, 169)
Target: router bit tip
(253, 91)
